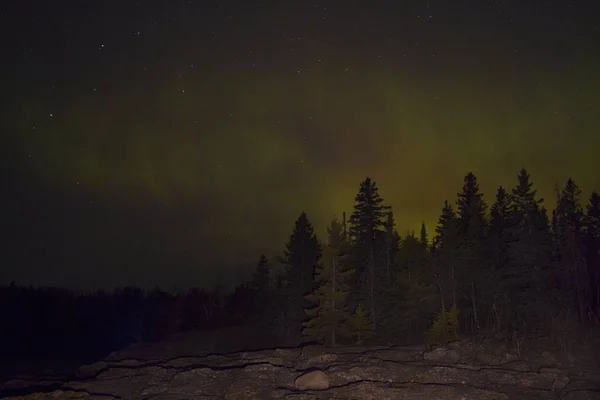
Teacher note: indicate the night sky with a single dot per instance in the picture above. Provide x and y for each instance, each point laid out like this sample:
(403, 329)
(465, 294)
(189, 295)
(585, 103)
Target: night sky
(172, 142)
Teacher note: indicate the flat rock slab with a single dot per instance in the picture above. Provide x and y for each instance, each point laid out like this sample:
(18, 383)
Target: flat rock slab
(460, 370)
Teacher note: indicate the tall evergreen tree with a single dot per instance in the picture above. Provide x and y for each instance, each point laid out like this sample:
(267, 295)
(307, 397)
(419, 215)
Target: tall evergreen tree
(446, 250)
(329, 314)
(423, 238)
(500, 223)
(366, 228)
(499, 241)
(472, 226)
(361, 327)
(471, 210)
(260, 278)
(262, 292)
(568, 229)
(411, 255)
(416, 300)
(592, 248)
(391, 245)
(446, 231)
(388, 292)
(302, 252)
(528, 251)
(301, 256)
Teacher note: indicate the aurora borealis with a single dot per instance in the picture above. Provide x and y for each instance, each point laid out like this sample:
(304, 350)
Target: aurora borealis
(159, 142)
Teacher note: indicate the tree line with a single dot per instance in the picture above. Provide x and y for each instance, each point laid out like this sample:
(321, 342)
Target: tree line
(510, 267)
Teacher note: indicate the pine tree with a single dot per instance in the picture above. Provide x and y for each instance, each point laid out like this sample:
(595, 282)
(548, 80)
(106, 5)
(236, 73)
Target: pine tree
(301, 256)
(366, 228)
(528, 251)
(260, 278)
(361, 327)
(414, 286)
(472, 226)
(281, 322)
(471, 210)
(446, 250)
(445, 327)
(411, 255)
(392, 243)
(417, 304)
(525, 204)
(423, 238)
(592, 248)
(499, 242)
(446, 230)
(329, 314)
(262, 292)
(500, 222)
(388, 295)
(568, 229)
(302, 252)
(501, 215)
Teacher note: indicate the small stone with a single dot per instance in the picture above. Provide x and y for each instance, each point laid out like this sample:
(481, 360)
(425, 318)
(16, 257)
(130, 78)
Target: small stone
(313, 380)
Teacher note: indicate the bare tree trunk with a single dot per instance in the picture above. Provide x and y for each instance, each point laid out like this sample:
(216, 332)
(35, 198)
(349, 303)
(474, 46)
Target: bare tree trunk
(372, 282)
(475, 320)
(453, 286)
(576, 263)
(333, 273)
(442, 296)
(302, 265)
(388, 261)
(439, 283)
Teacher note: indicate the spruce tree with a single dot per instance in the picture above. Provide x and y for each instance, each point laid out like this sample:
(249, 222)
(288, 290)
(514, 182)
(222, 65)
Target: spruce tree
(329, 314)
(391, 245)
(526, 276)
(411, 255)
(445, 327)
(446, 250)
(301, 256)
(498, 245)
(471, 209)
(423, 238)
(446, 231)
(367, 223)
(592, 248)
(262, 292)
(568, 229)
(525, 204)
(500, 222)
(472, 226)
(361, 327)
(417, 296)
(260, 278)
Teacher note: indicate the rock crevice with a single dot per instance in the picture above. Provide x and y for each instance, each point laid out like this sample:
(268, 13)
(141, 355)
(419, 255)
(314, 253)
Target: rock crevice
(460, 370)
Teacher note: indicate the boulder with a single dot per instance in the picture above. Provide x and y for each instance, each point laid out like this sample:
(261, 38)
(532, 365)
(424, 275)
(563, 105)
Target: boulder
(313, 380)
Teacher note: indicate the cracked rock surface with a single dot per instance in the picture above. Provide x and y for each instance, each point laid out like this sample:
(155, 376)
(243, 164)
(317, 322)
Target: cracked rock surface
(461, 370)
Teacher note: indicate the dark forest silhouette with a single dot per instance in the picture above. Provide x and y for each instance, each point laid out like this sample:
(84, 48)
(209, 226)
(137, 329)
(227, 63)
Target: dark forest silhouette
(511, 268)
